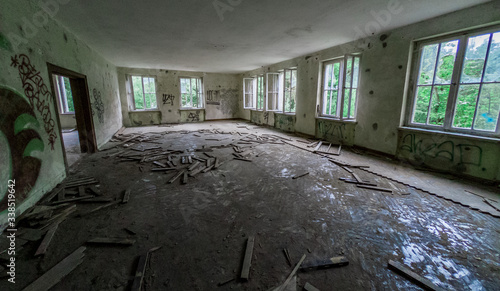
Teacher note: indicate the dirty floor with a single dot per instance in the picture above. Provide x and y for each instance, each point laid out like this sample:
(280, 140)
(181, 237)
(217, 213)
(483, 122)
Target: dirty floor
(202, 227)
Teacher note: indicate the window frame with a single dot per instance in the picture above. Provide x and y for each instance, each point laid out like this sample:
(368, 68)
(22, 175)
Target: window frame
(201, 99)
(284, 88)
(258, 79)
(143, 92)
(62, 98)
(276, 92)
(417, 51)
(342, 88)
(252, 92)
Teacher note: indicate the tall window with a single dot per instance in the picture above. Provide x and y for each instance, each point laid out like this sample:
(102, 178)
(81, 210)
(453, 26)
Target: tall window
(273, 91)
(260, 92)
(64, 95)
(340, 87)
(191, 93)
(249, 93)
(144, 89)
(290, 90)
(458, 84)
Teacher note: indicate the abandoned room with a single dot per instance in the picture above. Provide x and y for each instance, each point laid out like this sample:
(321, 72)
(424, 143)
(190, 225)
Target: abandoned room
(250, 145)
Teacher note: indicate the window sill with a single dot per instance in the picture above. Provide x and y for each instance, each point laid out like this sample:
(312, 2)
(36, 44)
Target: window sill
(285, 113)
(67, 113)
(191, 109)
(257, 110)
(453, 134)
(145, 110)
(337, 119)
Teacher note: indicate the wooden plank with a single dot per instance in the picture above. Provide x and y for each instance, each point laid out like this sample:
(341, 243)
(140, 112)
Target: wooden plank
(96, 200)
(94, 190)
(247, 261)
(160, 164)
(325, 264)
(402, 269)
(176, 176)
(185, 177)
(100, 208)
(111, 241)
(197, 171)
(72, 200)
(299, 176)
(356, 182)
(46, 240)
(241, 159)
(282, 287)
(208, 169)
(139, 273)
(347, 169)
(374, 188)
(309, 287)
(164, 169)
(58, 272)
(81, 191)
(190, 168)
(356, 177)
(318, 146)
(61, 195)
(59, 217)
(126, 196)
(53, 194)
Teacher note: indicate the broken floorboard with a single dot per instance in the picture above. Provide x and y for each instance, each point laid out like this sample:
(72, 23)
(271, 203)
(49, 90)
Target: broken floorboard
(423, 282)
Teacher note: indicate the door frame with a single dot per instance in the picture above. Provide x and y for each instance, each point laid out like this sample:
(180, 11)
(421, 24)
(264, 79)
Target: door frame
(83, 110)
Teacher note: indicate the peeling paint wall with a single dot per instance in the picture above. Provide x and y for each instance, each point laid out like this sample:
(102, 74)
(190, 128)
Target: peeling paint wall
(285, 122)
(221, 92)
(29, 39)
(384, 69)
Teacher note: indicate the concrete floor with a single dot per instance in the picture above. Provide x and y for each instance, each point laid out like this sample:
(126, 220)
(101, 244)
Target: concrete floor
(202, 227)
(72, 146)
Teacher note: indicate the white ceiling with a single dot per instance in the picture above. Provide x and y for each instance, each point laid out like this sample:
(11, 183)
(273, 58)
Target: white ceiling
(190, 35)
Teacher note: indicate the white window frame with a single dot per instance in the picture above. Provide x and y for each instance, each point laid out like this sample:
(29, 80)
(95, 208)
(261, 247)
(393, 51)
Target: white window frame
(250, 94)
(339, 115)
(143, 92)
(273, 91)
(462, 37)
(199, 81)
(62, 98)
(260, 79)
(293, 71)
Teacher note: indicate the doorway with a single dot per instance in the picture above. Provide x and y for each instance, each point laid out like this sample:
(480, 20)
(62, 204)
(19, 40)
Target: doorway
(72, 100)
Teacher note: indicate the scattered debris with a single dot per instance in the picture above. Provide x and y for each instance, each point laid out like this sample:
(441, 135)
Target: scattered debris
(126, 196)
(374, 188)
(325, 264)
(283, 286)
(247, 261)
(300, 176)
(309, 287)
(59, 271)
(46, 240)
(111, 241)
(402, 269)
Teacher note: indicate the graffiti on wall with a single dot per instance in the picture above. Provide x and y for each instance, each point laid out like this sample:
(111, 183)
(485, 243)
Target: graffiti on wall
(461, 154)
(194, 116)
(98, 106)
(168, 99)
(331, 131)
(17, 123)
(284, 122)
(266, 117)
(37, 93)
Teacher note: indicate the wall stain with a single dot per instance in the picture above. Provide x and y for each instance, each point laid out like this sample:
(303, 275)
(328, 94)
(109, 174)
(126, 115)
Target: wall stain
(98, 106)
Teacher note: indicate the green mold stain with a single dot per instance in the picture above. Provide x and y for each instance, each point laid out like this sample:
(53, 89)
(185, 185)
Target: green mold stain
(5, 43)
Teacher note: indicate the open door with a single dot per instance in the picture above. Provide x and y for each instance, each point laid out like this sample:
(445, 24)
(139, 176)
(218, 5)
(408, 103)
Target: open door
(71, 93)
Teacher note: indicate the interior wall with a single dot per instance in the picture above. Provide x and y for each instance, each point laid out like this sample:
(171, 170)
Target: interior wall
(384, 67)
(30, 141)
(222, 95)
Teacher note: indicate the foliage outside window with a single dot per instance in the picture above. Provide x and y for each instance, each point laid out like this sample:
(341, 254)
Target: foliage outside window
(64, 95)
(191, 92)
(273, 91)
(249, 93)
(458, 84)
(290, 90)
(260, 92)
(340, 87)
(144, 89)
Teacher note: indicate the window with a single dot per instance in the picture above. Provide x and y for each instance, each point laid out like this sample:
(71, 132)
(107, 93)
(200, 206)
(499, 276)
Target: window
(273, 91)
(458, 84)
(340, 87)
(260, 92)
(64, 95)
(191, 92)
(144, 89)
(290, 90)
(249, 93)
